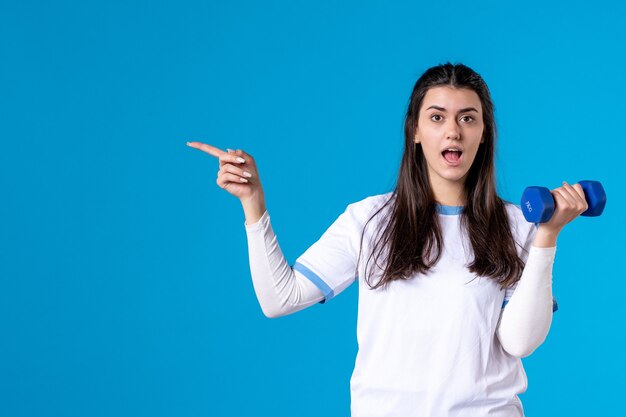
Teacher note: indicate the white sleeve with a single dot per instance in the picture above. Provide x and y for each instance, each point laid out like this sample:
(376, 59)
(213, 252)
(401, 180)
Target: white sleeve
(278, 288)
(524, 255)
(525, 322)
(330, 263)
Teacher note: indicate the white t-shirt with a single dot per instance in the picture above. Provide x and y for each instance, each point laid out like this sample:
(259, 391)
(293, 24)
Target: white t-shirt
(427, 346)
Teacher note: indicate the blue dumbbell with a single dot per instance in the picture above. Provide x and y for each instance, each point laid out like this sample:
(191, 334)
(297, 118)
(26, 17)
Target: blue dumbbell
(538, 203)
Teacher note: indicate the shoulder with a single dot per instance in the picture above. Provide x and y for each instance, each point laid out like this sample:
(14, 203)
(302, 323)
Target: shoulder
(514, 212)
(369, 205)
(520, 227)
(359, 212)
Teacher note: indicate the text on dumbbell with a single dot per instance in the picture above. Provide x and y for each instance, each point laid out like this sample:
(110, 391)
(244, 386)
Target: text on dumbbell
(528, 206)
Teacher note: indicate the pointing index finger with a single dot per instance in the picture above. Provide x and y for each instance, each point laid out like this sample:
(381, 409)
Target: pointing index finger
(211, 150)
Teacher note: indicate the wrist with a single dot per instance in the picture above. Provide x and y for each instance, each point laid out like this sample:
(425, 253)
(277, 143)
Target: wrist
(544, 237)
(253, 209)
(254, 199)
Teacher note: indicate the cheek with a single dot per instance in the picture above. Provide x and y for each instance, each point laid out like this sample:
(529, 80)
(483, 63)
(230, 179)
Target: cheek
(478, 134)
(471, 153)
(429, 150)
(432, 155)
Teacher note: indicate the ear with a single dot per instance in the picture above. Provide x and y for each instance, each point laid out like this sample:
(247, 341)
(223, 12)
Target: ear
(416, 139)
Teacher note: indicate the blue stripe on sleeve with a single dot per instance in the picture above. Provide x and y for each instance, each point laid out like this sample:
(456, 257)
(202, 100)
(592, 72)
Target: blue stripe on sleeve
(315, 279)
(555, 305)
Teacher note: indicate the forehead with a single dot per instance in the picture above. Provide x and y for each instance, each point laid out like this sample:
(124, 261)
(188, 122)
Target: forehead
(451, 98)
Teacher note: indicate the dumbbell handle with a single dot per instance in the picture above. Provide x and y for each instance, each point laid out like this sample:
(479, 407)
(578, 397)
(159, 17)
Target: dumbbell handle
(538, 204)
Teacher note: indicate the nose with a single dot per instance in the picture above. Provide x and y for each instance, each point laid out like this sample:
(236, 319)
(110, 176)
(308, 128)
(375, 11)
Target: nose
(453, 131)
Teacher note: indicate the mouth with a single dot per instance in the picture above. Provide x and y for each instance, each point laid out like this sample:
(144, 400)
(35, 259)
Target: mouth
(452, 156)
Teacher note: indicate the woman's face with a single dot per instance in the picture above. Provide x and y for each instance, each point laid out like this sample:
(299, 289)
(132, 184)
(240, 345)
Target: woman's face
(449, 118)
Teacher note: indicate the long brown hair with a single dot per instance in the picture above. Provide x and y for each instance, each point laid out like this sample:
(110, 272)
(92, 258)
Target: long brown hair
(412, 237)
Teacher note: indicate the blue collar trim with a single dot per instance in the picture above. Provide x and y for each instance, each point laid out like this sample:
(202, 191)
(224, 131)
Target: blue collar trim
(449, 210)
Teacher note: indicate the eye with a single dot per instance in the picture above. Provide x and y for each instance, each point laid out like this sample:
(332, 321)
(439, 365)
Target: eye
(435, 115)
(468, 117)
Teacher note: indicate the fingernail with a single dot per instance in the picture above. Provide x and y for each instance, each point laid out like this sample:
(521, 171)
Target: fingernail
(188, 143)
(229, 150)
(239, 159)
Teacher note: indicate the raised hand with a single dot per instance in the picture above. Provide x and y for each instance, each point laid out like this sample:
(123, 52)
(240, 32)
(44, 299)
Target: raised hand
(569, 203)
(238, 172)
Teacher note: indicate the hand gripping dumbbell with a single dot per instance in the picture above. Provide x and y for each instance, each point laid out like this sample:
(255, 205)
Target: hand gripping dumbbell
(538, 203)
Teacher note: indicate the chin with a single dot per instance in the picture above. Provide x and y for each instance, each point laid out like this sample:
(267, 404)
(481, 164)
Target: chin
(455, 178)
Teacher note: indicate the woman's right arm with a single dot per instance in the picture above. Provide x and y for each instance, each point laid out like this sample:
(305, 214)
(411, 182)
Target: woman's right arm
(279, 289)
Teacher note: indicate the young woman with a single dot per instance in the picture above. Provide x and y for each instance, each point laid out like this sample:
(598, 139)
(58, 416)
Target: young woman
(454, 285)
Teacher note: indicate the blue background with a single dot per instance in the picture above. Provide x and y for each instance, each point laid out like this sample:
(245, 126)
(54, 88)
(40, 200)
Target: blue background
(125, 287)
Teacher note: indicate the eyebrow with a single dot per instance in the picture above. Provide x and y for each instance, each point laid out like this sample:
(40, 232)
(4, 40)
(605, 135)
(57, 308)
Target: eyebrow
(460, 111)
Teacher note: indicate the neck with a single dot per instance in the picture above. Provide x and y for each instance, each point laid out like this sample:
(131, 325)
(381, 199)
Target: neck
(448, 193)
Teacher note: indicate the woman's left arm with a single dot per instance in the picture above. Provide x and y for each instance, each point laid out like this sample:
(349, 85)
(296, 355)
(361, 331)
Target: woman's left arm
(526, 320)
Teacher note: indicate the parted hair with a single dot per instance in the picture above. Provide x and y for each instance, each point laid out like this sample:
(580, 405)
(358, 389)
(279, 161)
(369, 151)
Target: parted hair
(410, 238)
